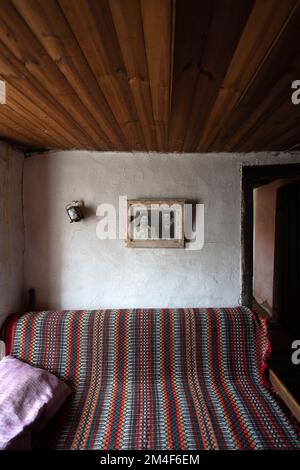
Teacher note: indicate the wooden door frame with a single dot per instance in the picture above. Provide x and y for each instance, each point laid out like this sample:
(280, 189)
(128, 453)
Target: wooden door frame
(252, 176)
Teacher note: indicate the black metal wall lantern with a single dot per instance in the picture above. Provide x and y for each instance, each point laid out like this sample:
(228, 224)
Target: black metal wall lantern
(74, 211)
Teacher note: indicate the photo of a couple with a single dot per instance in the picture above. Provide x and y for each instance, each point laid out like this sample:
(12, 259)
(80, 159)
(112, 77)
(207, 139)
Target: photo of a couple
(155, 223)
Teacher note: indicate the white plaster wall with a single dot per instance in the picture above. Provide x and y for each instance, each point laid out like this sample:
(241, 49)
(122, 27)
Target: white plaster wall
(11, 230)
(70, 268)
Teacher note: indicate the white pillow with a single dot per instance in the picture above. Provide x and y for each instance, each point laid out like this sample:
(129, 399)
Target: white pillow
(29, 398)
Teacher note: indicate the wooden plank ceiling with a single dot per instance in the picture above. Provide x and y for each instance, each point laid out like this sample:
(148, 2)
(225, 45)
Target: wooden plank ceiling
(159, 75)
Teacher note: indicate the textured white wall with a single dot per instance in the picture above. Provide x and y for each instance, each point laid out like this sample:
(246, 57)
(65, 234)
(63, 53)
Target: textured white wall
(70, 268)
(11, 230)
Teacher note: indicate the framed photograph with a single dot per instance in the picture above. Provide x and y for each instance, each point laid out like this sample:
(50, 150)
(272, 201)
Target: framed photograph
(155, 223)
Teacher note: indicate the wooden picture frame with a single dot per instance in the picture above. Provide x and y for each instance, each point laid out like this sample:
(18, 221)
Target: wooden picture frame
(155, 223)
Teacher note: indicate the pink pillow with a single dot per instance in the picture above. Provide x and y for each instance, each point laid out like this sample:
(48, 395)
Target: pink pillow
(29, 398)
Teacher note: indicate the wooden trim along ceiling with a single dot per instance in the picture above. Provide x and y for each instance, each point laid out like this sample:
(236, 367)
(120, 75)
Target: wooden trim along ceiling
(150, 75)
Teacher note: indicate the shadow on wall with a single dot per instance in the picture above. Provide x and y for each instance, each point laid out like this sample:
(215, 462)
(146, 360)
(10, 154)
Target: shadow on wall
(11, 231)
(41, 236)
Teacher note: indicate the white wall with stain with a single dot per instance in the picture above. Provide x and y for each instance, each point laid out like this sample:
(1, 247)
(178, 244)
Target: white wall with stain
(70, 268)
(11, 230)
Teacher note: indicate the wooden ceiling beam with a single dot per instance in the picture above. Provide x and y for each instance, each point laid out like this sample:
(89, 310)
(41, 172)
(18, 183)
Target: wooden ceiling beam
(92, 24)
(261, 31)
(268, 90)
(273, 114)
(12, 131)
(128, 24)
(36, 117)
(227, 23)
(16, 77)
(36, 63)
(25, 127)
(49, 25)
(192, 25)
(158, 24)
(275, 130)
(209, 75)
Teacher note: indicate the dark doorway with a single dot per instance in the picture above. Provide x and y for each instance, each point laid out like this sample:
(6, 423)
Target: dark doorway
(286, 292)
(252, 177)
(285, 311)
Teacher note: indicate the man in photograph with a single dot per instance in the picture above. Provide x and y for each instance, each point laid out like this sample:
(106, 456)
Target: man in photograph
(142, 230)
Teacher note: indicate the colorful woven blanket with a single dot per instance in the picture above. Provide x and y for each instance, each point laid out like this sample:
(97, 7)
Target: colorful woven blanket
(158, 379)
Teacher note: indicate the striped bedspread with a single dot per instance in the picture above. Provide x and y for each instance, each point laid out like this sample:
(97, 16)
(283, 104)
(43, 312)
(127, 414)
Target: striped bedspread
(158, 379)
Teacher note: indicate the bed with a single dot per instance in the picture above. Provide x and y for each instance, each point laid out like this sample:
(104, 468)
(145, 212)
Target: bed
(185, 379)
